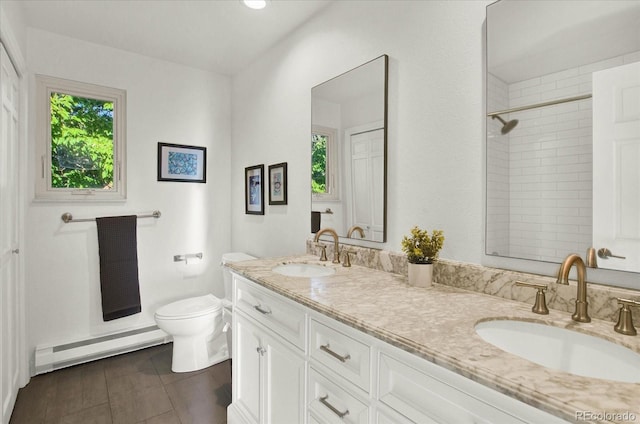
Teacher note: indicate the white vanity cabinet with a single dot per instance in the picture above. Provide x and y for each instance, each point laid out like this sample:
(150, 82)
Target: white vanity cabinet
(341, 375)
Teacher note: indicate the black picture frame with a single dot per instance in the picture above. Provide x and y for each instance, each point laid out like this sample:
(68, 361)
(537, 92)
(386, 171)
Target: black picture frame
(254, 190)
(182, 163)
(278, 184)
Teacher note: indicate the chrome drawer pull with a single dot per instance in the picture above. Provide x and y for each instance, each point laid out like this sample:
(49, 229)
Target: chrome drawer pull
(339, 357)
(260, 309)
(323, 400)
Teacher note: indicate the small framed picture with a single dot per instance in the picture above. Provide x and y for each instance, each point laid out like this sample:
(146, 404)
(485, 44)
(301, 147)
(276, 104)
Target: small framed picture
(278, 184)
(254, 190)
(177, 162)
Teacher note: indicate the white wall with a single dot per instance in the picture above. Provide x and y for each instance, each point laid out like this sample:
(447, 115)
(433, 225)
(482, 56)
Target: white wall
(165, 102)
(436, 124)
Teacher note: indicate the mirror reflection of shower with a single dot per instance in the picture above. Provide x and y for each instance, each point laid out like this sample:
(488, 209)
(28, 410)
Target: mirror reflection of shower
(506, 126)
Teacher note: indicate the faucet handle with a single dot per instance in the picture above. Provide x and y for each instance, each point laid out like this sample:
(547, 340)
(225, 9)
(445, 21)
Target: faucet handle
(323, 254)
(625, 320)
(540, 306)
(346, 262)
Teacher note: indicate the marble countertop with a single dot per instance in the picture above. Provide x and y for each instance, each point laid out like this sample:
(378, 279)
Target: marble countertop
(437, 323)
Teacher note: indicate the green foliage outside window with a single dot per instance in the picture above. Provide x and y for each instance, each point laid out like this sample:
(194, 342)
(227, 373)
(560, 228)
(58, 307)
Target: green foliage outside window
(81, 142)
(319, 163)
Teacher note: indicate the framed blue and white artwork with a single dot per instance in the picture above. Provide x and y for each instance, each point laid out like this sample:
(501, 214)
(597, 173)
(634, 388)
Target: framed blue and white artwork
(186, 164)
(254, 189)
(278, 184)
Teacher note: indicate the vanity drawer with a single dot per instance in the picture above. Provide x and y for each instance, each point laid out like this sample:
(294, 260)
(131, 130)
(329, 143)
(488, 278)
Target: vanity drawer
(425, 399)
(279, 314)
(341, 353)
(329, 403)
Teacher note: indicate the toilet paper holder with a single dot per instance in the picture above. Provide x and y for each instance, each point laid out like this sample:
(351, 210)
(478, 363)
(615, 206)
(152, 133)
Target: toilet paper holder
(185, 257)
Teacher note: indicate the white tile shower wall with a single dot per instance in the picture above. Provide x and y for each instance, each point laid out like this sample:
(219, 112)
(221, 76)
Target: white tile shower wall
(550, 158)
(497, 237)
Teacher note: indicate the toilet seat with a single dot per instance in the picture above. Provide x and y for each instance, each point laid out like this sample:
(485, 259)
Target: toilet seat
(190, 308)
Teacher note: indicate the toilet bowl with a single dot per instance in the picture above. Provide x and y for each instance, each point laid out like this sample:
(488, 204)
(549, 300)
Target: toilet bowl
(196, 327)
(200, 326)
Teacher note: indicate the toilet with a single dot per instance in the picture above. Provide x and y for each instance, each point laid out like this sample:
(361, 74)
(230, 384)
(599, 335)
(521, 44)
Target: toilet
(199, 325)
(227, 302)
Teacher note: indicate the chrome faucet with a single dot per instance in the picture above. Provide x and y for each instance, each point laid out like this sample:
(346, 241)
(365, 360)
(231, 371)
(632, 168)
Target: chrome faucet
(355, 228)
(581, 314)
(336, 245)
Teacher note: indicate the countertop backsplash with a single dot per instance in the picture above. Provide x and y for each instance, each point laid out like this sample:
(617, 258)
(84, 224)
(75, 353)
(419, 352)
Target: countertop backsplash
(496, 282)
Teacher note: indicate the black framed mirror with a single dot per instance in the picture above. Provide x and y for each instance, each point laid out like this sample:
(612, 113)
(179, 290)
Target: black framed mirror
(349, 152)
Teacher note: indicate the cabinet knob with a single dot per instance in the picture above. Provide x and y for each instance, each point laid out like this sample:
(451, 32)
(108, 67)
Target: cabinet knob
(261, 350)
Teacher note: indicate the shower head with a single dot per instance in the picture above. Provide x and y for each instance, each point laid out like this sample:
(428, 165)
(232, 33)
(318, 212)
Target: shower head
(506, 126)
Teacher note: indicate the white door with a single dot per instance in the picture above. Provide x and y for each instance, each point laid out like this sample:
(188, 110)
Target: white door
(9, 296)
(367, 182)
(616, 166)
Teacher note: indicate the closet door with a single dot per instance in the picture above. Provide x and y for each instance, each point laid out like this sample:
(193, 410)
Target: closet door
(9, 201)
(367, 182)
(616, 174)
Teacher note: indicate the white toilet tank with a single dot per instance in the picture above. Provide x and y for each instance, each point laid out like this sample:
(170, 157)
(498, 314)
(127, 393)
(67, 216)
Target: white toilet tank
(226, 274)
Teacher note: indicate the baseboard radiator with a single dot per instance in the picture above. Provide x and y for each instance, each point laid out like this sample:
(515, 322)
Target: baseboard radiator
(53, 357)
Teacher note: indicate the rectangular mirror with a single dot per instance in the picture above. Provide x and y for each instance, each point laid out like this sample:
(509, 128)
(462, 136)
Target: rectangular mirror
(348, 152)
(563, 131)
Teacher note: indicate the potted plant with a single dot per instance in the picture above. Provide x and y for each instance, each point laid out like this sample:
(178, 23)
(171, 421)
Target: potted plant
(422, 250)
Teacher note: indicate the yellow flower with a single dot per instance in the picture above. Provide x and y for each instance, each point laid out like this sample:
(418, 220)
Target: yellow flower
(422, 248)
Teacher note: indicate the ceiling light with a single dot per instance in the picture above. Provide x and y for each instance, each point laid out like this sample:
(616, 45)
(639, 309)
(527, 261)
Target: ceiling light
(255, 4)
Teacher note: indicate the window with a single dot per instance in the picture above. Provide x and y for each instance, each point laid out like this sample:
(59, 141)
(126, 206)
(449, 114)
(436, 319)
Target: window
(81, 141)
(324, 173)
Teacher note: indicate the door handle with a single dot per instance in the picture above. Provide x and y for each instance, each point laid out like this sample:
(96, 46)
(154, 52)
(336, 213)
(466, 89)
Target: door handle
(605, 253)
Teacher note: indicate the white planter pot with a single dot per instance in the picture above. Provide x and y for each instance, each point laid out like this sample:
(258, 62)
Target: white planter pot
(420, 275)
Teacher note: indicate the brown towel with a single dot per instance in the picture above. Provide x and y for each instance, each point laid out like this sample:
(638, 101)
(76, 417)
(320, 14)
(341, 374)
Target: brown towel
(315, 221)
(118, 249)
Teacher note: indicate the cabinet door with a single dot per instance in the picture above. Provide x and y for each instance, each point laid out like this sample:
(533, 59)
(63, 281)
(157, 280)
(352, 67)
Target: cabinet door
(284, 383)
(246, 368)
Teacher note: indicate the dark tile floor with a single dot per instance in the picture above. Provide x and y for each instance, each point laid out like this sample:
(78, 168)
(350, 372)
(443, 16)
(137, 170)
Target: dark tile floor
(137, 387)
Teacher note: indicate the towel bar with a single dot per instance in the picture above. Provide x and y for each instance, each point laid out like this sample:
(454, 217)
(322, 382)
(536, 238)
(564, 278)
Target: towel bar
(67, 217)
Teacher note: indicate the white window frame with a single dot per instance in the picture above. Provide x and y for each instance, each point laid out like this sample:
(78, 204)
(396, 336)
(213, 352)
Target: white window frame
(332, 192)
(44, 191)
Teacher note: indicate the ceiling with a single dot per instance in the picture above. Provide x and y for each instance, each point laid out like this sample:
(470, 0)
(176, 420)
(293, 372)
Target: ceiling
(527, 39)
(222, 36)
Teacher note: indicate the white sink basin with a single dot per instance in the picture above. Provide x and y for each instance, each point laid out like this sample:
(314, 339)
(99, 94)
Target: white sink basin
(304, 270)
(562, 349)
